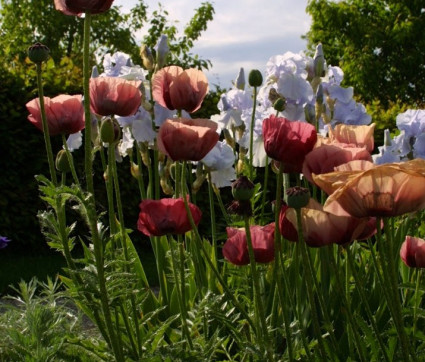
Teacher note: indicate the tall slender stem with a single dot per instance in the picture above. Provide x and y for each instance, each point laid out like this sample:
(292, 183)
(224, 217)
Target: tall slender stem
(251, 135)
(262, 331)
(88, 160)
(45, 127)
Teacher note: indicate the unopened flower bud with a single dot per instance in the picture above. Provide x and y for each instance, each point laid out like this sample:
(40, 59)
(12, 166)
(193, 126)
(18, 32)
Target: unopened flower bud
(319, 62)
(279, 105)
(297, 197)
(242, 189)
(310, 113)
(135, 171)
(319, 94)
(166, 187)
(162, 51)
(38, 53)
(62, 163)
(147, 57)
(94, 72)
(255, 78)
(109, 131)
(240, 80)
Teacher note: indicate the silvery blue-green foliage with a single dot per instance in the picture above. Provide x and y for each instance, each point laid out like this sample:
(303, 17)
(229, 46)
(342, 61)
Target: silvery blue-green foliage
(41, 324)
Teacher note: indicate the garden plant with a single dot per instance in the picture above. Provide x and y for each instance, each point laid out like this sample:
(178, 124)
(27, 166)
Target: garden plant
(314, 256)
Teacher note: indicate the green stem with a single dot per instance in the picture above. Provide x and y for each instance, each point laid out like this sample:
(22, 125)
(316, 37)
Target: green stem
(266, 180)
(365, 303)
(88, 160)
(70, 161)
(226, 290)
(182, 304)
(45, 127)
(113, 167)
(393, 277)
(262, 331)
(251, 136)
(140, 180)
(309, 285)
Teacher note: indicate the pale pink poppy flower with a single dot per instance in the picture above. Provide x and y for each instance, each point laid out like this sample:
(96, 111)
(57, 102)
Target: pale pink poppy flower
(64, 114)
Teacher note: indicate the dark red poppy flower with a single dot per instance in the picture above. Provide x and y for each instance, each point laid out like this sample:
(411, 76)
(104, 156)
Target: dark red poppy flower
(76, 7)
(111, 95)
(187, 139)
(288, 141)
(175, 88)
(235, 249)
(64, 113)
(166, 216)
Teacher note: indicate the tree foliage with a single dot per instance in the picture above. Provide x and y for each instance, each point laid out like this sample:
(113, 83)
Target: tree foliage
(379, 45)
(24, 23)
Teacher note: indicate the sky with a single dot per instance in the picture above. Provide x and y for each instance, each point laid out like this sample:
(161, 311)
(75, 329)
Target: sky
(243, 33)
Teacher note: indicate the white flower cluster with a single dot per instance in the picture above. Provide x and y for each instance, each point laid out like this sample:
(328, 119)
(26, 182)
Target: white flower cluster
(409, 143)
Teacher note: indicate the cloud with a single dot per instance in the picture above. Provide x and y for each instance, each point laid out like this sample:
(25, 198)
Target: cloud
(243, 32)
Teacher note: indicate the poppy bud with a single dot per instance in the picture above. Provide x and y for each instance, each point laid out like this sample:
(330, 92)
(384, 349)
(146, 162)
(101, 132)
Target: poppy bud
(279, 105)
(242, 189)
(297, 197)
(109, 131)
(62, 163)
(38, 53)
(255, 79)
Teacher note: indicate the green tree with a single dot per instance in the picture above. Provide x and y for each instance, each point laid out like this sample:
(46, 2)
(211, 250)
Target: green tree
(22, 23)
(379, 45)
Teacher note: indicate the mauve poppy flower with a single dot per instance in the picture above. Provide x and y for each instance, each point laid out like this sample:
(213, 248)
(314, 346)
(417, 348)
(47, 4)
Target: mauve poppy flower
(330, 182)
(187, 139)
(321, 228)
(112, 95)
(412, 252)
(358, 136)
(76, 7)
(326, 157)
(166, 216)
(64, 114)
(235, 249)
(288, 141)
(385, 190)
(175, 88)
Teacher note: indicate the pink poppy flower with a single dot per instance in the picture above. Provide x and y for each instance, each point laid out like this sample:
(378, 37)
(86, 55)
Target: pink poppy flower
(166, 216)
(412, 252)
(358, 136)
(235, 249)
(111, 95)
(187, 139)
(326, 157)
(64, 113)
(175, 88)
(76, 7)
(288, 141)
(385, 190)
(321, 228)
